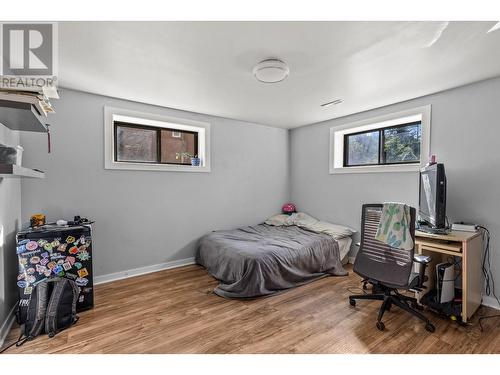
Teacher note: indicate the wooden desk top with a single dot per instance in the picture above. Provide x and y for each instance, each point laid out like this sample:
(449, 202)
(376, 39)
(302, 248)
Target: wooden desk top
(454, 235)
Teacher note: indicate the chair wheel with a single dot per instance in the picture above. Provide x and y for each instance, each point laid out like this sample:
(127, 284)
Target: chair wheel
(430, 327)
(352, 302)
(380, 326)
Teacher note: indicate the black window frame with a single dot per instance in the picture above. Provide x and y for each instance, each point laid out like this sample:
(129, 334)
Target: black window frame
(381, 141)
(158, 130)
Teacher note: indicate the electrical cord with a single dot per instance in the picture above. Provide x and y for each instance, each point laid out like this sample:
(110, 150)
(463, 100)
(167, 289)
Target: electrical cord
(355, 289)
(486, 266)
(489, 280)
(481, 318)
(447, 223)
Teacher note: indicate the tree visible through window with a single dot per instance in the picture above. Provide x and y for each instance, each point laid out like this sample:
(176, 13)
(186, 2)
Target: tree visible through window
(402, 144)
(393, 145)
(363, 148)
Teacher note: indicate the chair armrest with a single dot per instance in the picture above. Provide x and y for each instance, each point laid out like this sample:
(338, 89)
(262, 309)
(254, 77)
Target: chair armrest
(423, 259)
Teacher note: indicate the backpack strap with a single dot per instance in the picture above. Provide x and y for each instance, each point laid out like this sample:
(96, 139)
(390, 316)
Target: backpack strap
(19, 342)
(37, 309)
(62, 287)
(35, 319)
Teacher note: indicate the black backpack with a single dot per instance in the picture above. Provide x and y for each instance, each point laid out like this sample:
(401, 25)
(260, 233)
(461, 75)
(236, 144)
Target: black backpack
(52, 308)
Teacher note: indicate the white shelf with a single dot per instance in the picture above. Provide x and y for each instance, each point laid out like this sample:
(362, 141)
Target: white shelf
(21, 116)
(12, 170)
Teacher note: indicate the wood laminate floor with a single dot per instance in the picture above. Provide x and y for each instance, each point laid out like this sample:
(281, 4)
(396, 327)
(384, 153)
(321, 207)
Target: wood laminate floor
(174, 311)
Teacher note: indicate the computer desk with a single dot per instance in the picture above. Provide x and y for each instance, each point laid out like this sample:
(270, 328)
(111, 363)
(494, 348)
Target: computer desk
(466, 245)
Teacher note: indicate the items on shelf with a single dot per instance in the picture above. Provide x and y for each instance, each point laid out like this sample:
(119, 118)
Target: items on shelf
(11, 154)
(37, 220)
(27, 109)
(38, 99)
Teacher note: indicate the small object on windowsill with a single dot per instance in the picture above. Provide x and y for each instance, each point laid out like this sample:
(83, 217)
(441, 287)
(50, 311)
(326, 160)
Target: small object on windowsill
(195, 160)
(432, 160)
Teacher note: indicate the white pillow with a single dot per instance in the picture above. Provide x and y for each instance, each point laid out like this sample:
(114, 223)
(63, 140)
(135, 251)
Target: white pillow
(279, 220)
(301, 219)
(334, 230)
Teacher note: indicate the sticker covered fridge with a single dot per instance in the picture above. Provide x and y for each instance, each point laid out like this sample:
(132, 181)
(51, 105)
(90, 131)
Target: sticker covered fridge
(55, 251)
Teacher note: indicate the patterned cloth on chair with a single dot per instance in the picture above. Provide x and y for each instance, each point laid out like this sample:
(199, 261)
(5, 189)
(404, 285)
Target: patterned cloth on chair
(394, 226)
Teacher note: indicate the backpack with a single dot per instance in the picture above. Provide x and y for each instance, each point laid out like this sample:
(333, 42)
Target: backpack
(52, 308)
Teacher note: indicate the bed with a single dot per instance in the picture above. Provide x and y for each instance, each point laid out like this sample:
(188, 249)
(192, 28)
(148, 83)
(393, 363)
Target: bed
(265, 259)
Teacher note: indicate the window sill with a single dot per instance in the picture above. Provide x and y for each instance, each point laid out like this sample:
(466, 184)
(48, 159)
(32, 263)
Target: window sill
(377, 169)
(157, 167)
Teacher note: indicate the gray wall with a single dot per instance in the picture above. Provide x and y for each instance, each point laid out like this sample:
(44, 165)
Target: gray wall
(149, 217)
(10, 216)
(157, 216)
(465, 135)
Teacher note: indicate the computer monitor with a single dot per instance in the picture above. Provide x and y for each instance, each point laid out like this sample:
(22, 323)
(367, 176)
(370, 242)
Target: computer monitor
(432, 196)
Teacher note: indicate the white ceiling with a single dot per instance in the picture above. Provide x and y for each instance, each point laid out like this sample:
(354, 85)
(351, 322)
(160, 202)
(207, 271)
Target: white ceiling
(207, 66)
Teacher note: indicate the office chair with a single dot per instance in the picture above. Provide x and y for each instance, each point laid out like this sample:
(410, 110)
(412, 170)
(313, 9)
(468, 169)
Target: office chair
(388, 269)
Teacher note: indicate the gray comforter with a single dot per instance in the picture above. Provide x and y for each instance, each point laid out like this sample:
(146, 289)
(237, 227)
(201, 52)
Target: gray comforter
(263, 259)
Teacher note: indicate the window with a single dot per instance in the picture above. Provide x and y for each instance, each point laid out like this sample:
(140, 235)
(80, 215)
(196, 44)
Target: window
(140, 141)
(148, 144)
(396, 142)
(362, 148)
(394, 145)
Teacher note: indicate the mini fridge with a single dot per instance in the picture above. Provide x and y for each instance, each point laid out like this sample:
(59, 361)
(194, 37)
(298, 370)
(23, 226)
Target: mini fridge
(55, 251)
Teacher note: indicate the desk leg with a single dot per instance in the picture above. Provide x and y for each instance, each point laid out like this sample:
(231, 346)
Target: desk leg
(472, 279)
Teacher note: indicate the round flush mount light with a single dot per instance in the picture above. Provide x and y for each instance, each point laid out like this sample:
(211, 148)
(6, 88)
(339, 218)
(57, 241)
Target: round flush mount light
(271, 71)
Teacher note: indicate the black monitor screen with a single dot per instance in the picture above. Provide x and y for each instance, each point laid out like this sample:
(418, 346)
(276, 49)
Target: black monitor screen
(428, 196)
(432, 205)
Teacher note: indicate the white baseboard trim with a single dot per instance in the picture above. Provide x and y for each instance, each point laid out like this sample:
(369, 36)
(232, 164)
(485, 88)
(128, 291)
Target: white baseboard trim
(490, 302)
(7, 325)
(142, 270)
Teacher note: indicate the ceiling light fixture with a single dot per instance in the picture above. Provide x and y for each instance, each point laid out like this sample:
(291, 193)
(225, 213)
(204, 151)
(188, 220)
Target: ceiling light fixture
(271, 71)
(333, 102)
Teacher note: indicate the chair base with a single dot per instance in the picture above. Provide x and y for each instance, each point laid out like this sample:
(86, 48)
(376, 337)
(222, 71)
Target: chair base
(392, 297)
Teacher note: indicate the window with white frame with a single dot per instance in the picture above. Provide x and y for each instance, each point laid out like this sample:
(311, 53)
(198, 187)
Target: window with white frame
(396, 142)
(140, 141)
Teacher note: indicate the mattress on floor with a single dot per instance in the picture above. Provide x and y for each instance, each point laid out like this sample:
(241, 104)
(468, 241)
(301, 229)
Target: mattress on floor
(344, 247)
(262, 259)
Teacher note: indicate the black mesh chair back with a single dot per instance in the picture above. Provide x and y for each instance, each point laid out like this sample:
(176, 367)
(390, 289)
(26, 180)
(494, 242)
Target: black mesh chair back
(378, 261)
